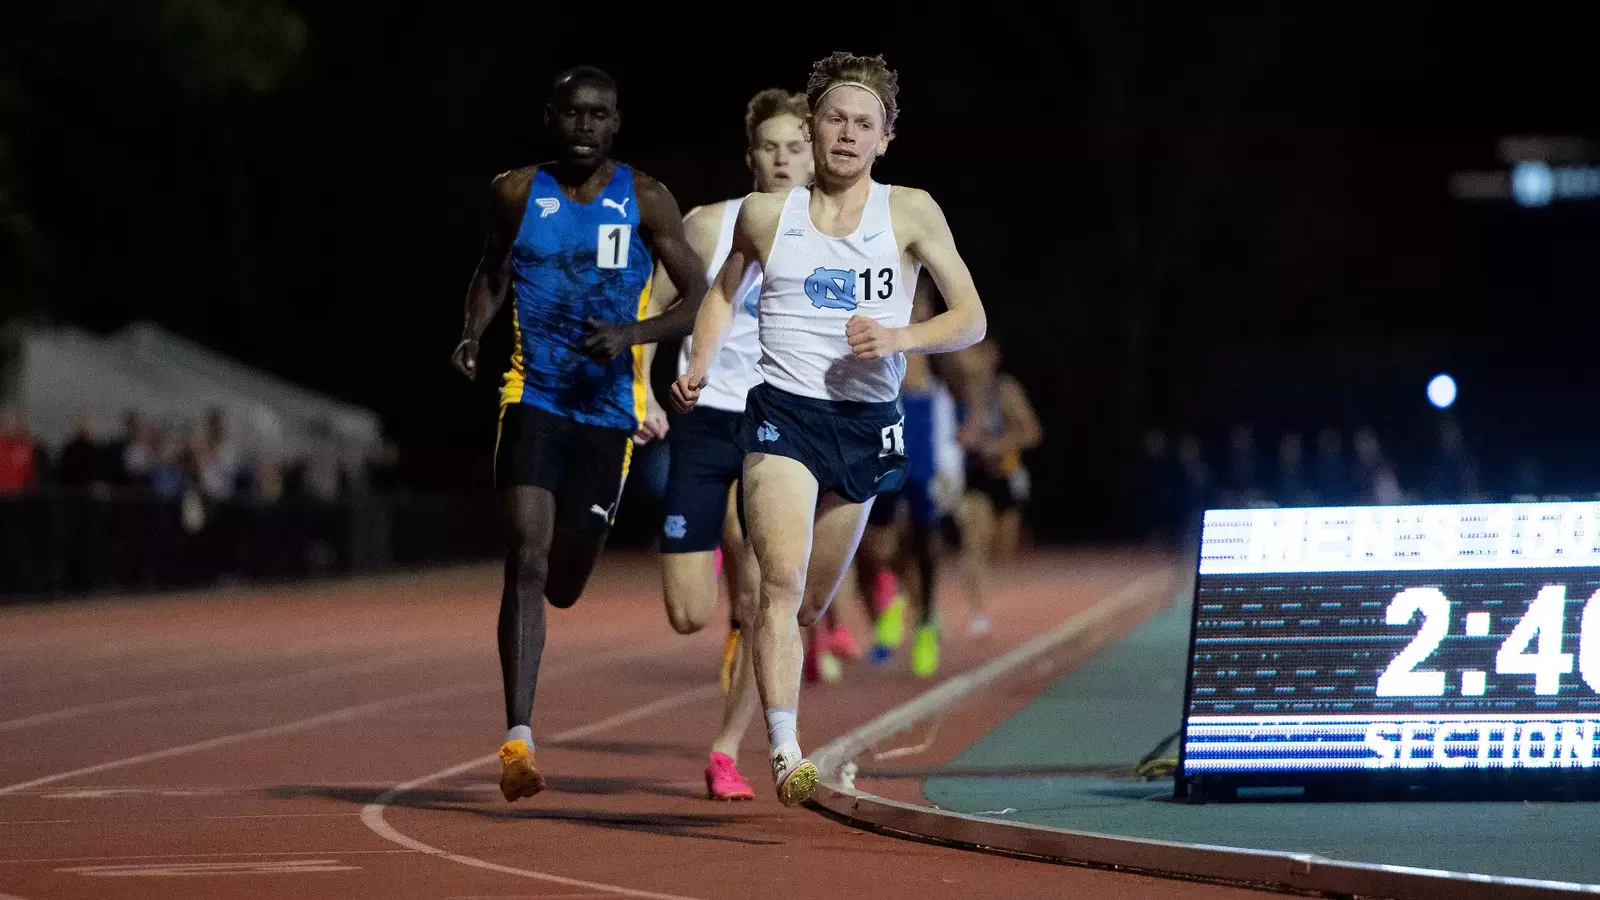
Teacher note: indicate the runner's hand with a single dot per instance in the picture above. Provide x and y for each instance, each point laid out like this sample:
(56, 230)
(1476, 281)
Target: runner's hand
(686, 391)
(465, 358)
(655, 421)
(870, 339)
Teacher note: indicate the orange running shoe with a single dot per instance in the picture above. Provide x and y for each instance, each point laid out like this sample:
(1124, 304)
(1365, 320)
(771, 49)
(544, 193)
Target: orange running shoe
(519, 774)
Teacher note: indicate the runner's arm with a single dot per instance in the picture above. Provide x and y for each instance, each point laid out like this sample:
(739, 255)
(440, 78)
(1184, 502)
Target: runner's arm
(700, 227)
(491, 280)
(715, 315)
(1022, 430)
(963, 322)
(680, 260)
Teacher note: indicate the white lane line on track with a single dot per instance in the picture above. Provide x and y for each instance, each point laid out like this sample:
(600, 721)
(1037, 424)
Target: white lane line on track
(598, 660)
(56, 859)
(124, 821)
(337, 715)
(159, 697)
(372, 813)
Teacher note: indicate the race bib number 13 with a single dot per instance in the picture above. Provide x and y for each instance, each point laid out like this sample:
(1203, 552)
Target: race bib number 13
(612, 250)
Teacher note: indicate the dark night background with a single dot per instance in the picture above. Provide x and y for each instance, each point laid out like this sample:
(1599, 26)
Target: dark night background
(1174, 218)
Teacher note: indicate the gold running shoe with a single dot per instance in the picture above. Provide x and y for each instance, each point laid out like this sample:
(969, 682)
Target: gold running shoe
(519, 774)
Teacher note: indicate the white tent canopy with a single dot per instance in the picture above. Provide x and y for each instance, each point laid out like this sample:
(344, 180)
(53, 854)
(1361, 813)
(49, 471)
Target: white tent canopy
(63, 372)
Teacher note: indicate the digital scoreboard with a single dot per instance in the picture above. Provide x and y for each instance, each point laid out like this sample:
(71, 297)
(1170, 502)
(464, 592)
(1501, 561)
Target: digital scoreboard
(1444, 651)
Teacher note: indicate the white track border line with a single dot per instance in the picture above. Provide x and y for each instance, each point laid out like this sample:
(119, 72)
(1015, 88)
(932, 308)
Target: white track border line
(1298, 871)
(372, 813)
(335, 715)
(158, 698)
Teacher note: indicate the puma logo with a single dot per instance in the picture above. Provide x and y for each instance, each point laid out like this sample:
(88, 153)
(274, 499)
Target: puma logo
(619, 207)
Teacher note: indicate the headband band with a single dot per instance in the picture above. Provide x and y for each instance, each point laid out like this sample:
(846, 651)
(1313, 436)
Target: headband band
(839, 84)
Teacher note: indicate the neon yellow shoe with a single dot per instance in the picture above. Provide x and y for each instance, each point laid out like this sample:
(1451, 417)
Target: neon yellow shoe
(519, 774)
(730, 649)
(796, 783)
(829, 666)
(925, 652)
(891, 624)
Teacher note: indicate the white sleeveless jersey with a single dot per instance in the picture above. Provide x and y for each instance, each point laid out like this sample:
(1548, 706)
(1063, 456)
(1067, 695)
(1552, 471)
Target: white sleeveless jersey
(813, 285)
(733, 371)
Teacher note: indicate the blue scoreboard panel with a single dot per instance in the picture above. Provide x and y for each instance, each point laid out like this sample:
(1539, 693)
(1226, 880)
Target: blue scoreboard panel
(1442, 651)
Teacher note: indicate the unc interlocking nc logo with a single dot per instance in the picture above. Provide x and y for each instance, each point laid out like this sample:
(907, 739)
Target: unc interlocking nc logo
(549, 205)
(619, 207)
(766, 432)
(832, 288)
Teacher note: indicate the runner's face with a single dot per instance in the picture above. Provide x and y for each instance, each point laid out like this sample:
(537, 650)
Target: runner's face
(584, 122)
(780, 156)
(848, 132)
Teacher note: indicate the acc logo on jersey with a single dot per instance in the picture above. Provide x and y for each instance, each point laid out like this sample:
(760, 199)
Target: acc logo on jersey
(832, 288)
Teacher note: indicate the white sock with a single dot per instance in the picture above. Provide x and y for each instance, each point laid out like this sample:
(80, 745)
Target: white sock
(781, 734)
(521, 733)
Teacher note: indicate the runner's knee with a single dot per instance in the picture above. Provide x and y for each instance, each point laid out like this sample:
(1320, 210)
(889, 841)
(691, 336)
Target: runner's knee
(690, 588)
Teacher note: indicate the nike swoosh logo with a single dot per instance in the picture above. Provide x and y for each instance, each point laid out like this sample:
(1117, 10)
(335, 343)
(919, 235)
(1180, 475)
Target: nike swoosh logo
(871, 236)
(600, 511)
(879, 478)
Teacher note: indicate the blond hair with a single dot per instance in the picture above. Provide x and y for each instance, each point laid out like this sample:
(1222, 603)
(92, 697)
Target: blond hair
(871, 71)
(770, 104)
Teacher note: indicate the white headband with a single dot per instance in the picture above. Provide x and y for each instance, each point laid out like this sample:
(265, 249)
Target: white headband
(839, 84)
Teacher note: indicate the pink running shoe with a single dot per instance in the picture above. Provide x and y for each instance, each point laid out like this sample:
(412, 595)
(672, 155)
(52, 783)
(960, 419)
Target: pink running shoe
(884, 590)
(843, 643)
(723, 781)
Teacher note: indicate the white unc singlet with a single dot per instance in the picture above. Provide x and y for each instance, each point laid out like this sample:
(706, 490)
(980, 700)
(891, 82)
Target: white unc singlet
(733, 372)
(813, 284)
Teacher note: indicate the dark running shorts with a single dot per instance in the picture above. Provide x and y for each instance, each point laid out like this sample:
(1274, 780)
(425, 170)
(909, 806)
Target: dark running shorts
(998, 490)
(854, 449)
(582, 465)
(706, 460)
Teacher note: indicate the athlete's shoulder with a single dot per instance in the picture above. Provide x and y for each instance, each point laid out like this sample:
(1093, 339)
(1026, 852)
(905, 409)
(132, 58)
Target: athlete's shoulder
(915, 213)
(514, 181)
(763, 204)
(910, 199)
(705, 221)
(645, 183)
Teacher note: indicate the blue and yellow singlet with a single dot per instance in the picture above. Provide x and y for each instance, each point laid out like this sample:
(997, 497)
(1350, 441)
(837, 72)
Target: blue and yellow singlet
(571, 261)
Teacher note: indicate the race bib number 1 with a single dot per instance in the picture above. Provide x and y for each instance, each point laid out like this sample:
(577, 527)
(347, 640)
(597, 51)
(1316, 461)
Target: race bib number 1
(611, 252)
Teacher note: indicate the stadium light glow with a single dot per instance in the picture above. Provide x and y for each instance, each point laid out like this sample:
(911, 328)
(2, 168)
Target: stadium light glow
(1442, 391)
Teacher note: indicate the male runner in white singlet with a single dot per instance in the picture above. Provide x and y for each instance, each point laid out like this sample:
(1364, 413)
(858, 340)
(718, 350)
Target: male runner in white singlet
(702, 497)
(822, 434)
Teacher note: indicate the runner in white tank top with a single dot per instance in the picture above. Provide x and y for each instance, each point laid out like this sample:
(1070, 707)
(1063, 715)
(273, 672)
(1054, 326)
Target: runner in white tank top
(825, 438)
(704, 460)
(733, 371)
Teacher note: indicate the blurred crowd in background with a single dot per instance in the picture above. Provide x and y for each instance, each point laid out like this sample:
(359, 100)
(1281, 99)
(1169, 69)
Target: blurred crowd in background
(1181, 476)
(154, 504)
(169, 459)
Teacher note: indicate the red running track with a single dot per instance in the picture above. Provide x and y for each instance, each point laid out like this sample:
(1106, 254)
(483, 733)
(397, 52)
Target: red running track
(336, 741)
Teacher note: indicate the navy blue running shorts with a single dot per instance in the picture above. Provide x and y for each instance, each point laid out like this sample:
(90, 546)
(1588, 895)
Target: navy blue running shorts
(855, 449)
(705, 461)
